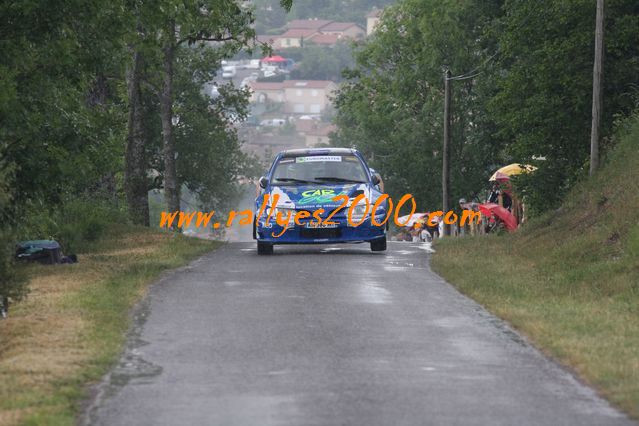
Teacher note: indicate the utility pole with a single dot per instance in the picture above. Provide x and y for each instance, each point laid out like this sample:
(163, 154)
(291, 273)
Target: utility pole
(446, 151)
(596, 89)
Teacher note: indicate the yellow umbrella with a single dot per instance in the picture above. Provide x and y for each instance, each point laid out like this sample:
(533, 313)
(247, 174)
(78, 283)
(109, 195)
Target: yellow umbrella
(512, 170)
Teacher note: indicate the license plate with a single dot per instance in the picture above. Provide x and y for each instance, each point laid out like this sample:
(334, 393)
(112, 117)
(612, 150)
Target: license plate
(320, 226)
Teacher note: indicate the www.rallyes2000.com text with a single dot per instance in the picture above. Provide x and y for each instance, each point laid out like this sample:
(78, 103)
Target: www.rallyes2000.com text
(246, 217)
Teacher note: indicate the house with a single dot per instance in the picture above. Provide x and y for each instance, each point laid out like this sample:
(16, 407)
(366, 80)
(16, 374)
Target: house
(372, 19)
(294, 38)
(325, 39)
(320, 135)
(266, 92)
(344, 29)
(319, 31)
(307, 24)
(297, 96)
(307, 96)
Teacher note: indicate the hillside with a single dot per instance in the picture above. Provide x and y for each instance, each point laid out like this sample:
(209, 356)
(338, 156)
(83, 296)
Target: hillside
(570, 280)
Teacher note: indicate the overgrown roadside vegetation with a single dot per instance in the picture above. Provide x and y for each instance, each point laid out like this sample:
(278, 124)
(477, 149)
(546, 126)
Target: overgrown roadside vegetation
(570, 280)
(71, 327)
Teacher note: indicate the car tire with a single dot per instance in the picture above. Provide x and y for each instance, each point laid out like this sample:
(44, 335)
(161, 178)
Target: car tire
(379, 244)
(264, 248)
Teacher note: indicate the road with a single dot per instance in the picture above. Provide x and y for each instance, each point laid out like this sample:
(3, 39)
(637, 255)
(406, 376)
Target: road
(330, 335)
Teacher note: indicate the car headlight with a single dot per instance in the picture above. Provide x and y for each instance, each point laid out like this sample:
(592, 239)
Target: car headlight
(359, 210)
(283, 212)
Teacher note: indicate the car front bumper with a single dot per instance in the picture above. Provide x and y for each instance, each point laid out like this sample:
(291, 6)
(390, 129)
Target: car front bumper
(303, 234)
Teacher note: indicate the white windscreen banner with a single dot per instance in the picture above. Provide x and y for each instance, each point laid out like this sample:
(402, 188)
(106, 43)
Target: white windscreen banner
(318, 158)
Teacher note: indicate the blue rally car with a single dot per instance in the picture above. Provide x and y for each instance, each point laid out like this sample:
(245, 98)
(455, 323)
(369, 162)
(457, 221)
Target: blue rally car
(301, 184)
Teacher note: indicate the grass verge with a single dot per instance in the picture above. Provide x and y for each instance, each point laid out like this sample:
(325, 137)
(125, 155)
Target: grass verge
(570, 280)
(71, 328)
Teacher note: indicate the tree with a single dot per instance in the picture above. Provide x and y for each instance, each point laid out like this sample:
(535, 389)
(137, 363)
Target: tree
(524, 79)
(542, 105)
(323, 63)
(61, 135)
(188, 23)
(135, 173)
(392, 106)
(58, 128)
(165, 32)
(209, 159)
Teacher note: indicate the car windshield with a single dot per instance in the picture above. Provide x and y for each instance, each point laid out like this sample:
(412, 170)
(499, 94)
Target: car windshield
(319, 169)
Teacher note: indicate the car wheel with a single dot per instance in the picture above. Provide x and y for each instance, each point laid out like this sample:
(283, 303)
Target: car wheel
(264, 248)
(379, 244)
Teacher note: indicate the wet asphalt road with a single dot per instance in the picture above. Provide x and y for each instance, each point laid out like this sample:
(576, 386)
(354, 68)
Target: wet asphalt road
(330, 335)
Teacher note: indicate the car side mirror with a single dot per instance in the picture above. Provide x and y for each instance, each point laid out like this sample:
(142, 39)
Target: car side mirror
(263, 182)
(376, 179)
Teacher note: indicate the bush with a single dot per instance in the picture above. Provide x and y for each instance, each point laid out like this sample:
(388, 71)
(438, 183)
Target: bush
(75, 224)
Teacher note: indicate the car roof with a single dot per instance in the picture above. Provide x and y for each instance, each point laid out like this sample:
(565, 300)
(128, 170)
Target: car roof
(316, 151)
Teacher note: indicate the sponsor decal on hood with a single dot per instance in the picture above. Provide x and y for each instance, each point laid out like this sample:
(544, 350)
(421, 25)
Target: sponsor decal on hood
(315, 196)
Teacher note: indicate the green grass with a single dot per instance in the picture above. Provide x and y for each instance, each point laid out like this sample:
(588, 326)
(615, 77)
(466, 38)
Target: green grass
(71, 328)
(569, 280)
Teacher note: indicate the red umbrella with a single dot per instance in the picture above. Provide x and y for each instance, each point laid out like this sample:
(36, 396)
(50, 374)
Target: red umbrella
(490, 209)
(274, 59)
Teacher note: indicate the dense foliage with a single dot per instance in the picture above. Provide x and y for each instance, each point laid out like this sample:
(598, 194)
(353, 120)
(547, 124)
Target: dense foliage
(81, 81)
(392, 107)
(542, 105)
(523, 92)
(321, 62)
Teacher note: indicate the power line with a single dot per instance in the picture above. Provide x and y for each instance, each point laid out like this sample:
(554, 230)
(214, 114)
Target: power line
(458, 78)
(473, 73)
(474, 70)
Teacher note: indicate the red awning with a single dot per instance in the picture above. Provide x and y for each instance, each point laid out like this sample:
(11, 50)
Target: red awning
(273, 59)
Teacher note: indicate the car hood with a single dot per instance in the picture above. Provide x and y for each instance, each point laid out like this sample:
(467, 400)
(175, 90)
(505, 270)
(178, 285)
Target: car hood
(316, 196)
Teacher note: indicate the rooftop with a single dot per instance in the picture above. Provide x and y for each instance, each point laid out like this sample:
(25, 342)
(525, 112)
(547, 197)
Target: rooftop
(339, 26)
(265, 85)
(307, 24)
(298, 32)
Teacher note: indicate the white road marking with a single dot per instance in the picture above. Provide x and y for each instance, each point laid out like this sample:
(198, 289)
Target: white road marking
(425, 246)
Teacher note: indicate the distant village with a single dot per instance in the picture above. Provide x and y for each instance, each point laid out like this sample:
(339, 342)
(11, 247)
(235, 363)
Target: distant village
(288, 113)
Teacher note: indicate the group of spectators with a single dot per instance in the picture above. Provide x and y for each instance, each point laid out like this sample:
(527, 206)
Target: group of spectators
(501, 194)
(421, 230)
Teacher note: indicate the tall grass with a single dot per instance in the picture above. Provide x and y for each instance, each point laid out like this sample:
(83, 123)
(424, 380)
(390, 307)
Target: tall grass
(70, 329)
(570, 279)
